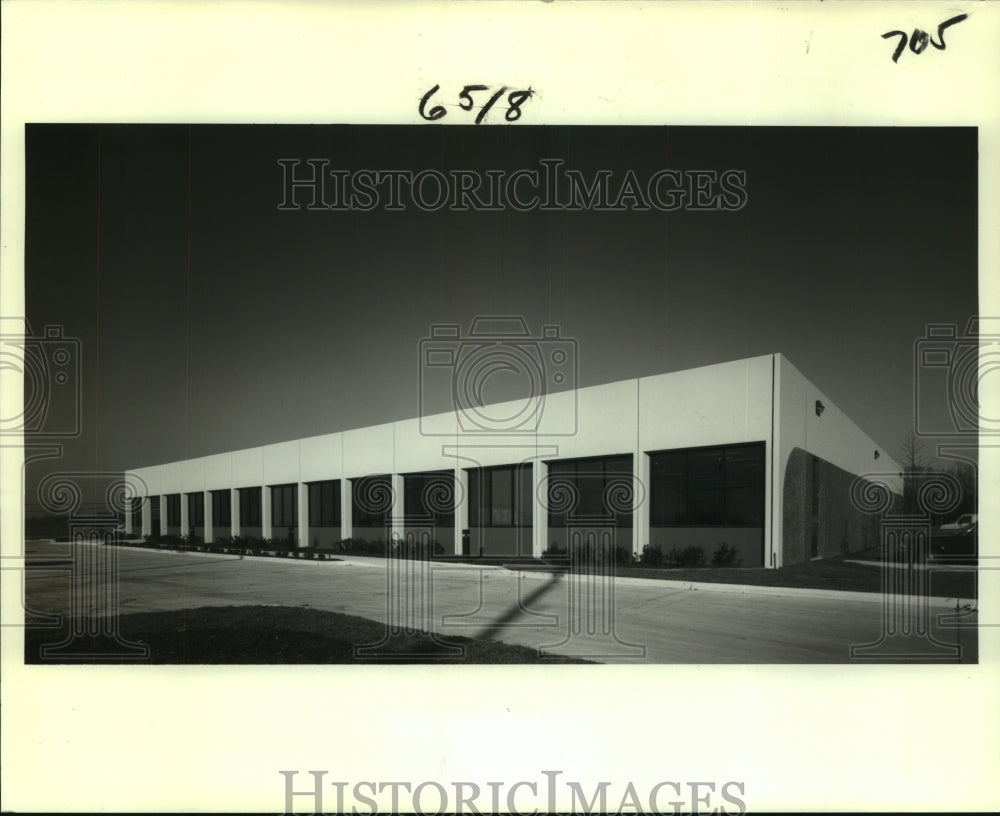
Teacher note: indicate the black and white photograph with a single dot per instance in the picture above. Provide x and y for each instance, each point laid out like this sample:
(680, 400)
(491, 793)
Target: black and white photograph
(408, 393)
(435, 407)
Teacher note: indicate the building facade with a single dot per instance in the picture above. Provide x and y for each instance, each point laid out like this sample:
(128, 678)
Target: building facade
(746, 454)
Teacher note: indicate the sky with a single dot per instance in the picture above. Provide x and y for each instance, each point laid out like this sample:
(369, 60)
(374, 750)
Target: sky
(208, 319)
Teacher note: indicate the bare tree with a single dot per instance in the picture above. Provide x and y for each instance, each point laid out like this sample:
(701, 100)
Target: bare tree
(967, 476)
(915, 464)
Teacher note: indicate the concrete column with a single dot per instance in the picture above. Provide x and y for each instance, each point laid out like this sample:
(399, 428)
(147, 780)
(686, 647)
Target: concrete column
(346, 508)
(398, 509)
(539, 510)
(163, 515)
(462, 499)
(234, 512)
(265, 511)
(184, 514)
(643, 493)
(302, 505)
(209, 519)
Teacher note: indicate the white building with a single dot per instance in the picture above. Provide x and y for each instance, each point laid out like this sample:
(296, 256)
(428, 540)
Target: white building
(747, 453)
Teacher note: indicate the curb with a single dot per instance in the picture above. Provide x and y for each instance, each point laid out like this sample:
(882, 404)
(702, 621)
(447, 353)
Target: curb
(539, 574)
(227, 556)
(779, 591)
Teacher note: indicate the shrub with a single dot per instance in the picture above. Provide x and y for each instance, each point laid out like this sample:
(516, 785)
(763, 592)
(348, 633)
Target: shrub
(726, 556)
(690, 556)
(624, 556)
(278, 546)
(652, 555)
(165, 541)
(597, 553)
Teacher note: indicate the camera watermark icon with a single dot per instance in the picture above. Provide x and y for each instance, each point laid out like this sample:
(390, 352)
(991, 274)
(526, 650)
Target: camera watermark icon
(954, 366)
(49, 367)
(457, 372)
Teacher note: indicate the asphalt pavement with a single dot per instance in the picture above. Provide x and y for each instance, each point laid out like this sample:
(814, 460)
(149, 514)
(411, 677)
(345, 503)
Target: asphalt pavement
(626, 620)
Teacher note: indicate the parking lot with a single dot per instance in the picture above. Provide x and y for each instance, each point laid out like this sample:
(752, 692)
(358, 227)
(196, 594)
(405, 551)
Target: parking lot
(608, 620)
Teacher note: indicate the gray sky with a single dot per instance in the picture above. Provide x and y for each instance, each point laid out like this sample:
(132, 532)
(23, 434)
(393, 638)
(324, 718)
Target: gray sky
(209, 320)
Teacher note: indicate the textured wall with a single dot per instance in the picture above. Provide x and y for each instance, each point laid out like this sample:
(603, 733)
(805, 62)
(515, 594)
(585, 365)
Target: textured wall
(323, 536)
(559, 536)
(841, 527)
(501, 540)
(747, 541)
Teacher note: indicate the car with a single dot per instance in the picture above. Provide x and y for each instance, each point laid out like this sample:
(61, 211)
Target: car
(963, 521)
(956, 545)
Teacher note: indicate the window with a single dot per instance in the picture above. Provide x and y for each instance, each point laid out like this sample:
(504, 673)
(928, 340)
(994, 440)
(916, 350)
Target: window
(745, 485)
(250, 507)
(372, 501)
(706, 486)
(500, 496)
(717, 486)
(221, 509)
(154, 514)
(283, 506)
(196, 509)
(136, 514)
(174, 510)
(602, 487)
(431, 496)
(324, 504)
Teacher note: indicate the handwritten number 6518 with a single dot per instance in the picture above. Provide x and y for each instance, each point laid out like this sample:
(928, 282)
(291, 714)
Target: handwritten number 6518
(920, 39)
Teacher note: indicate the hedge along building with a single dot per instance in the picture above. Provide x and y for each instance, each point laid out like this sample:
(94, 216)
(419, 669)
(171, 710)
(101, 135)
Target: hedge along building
(747, 453)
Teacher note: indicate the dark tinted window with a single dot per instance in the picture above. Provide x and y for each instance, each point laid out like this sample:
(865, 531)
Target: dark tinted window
(708, 486)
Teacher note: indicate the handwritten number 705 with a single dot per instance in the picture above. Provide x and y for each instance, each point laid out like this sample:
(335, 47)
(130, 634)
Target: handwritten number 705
(920, 39)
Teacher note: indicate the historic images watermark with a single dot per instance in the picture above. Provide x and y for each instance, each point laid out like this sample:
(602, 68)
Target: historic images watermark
(44, 369)
(525, 796)
(954, 363)
(506, 496)
(312, 184)
(47, 367)
(949, 368)
(92, 613)
(583, 571)
(455, 369)
(906, 632)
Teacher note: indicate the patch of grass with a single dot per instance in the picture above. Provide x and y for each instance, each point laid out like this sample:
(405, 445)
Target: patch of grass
(277, 635)
(830, 573)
